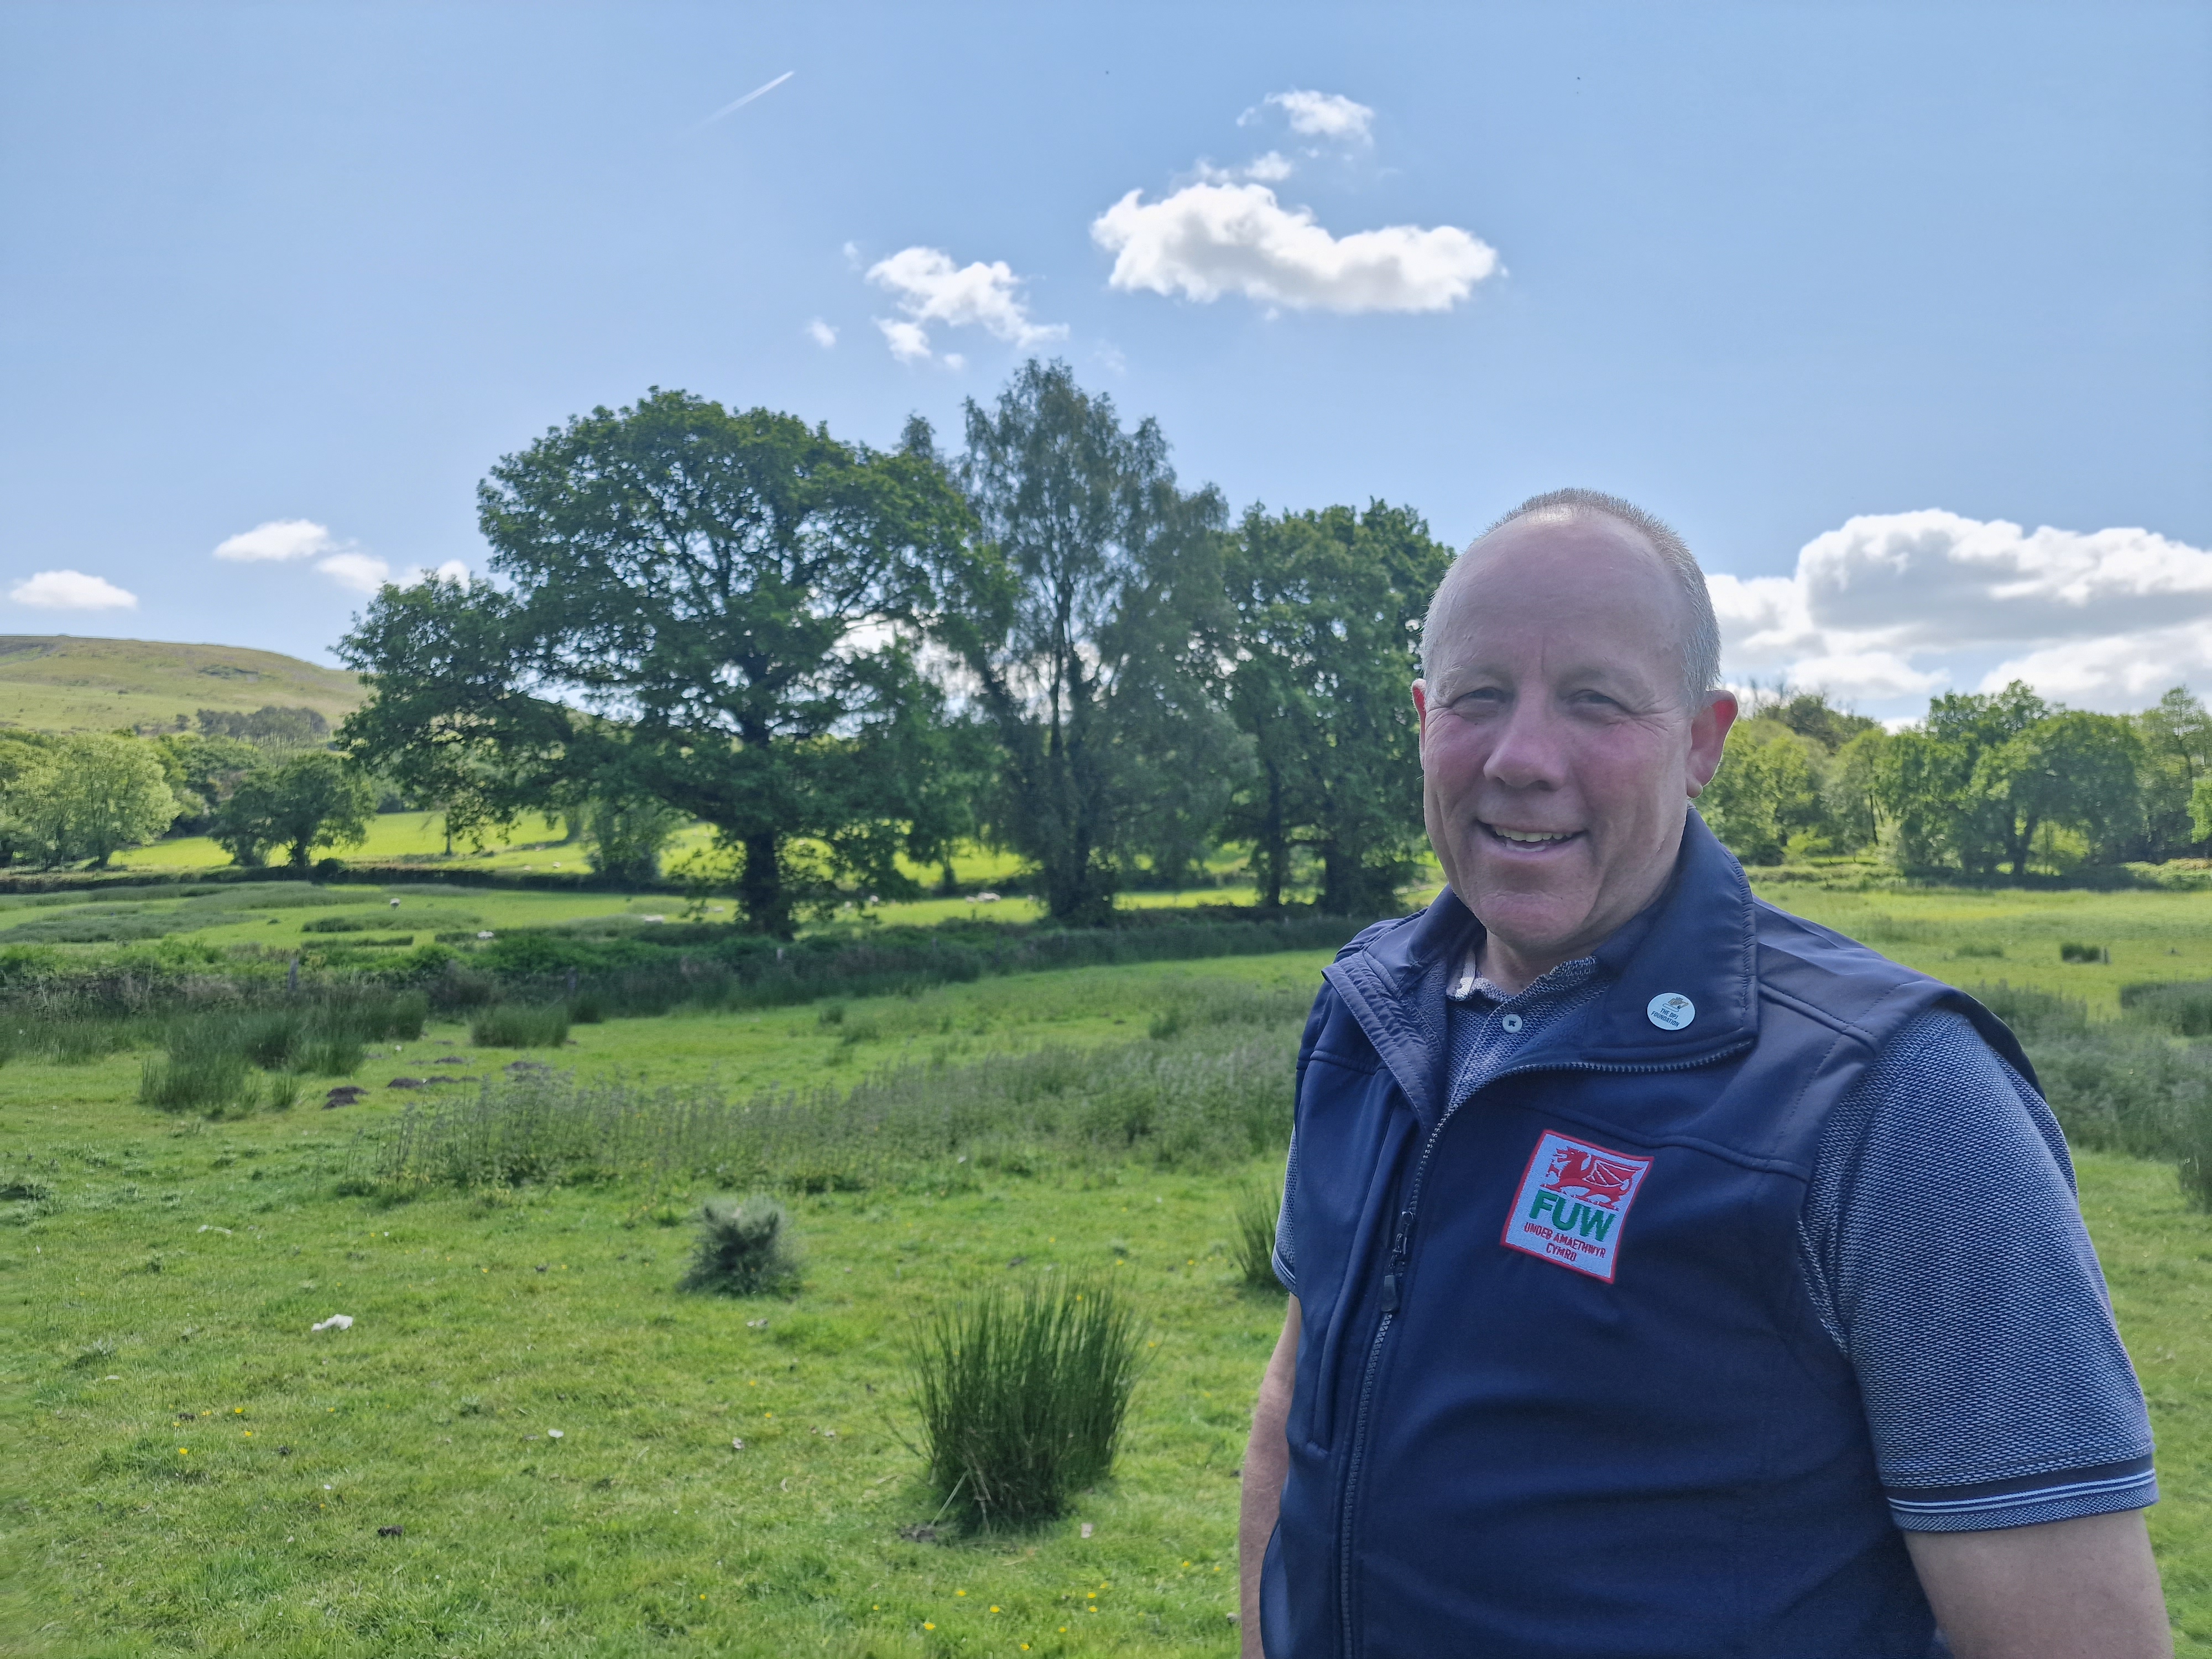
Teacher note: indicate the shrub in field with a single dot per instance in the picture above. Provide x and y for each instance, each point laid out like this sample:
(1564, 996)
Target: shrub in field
(520, 1026)
(743, 1249)
(1257, 1209)
(589, 1008)
(2071, 951)
(1023, 1393)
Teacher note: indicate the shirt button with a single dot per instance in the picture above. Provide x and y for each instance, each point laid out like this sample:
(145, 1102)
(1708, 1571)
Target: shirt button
(1511, 1022)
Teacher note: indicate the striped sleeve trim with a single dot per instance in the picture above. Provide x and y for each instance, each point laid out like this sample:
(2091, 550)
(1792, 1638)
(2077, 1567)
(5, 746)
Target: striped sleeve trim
(2028, 1500)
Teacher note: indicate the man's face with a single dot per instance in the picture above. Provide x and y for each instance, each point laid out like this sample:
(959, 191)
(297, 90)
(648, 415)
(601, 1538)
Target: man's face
(1558, 756)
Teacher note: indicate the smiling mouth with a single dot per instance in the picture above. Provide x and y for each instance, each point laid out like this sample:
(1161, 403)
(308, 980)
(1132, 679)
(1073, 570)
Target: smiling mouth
(1529, 838)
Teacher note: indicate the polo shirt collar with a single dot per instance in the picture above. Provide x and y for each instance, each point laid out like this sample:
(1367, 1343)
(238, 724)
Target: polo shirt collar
(1695, 942)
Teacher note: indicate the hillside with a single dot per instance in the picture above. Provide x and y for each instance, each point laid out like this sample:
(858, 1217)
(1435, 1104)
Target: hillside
(57, 683)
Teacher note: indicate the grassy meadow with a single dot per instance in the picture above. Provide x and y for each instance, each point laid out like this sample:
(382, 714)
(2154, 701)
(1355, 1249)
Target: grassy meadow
(190, 1469)
(54, 682)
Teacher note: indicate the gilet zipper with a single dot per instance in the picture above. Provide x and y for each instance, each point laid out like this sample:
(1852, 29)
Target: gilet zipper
(1393, 1280)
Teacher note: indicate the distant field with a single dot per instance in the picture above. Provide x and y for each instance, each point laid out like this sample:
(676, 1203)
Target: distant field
(535, 846)
(57, 683)
(416, 836)
(1965, 936)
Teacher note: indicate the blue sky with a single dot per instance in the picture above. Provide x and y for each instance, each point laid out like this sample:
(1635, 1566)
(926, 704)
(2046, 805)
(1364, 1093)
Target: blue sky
(1903, 314)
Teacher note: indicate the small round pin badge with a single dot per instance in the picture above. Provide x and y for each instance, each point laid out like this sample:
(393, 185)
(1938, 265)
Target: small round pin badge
(1671, 1010)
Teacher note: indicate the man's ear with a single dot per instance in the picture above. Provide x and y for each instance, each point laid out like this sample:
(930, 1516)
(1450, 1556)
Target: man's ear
(1421, 704)
(1709, 731)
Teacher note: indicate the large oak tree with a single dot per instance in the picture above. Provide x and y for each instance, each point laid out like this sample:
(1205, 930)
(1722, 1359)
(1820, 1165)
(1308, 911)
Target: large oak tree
(710, 609)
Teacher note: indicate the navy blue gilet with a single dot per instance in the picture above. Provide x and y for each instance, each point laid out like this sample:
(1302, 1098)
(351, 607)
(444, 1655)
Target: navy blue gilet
(1498, 1449)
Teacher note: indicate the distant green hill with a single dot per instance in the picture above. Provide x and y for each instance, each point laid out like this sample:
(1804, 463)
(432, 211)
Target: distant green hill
(56, 683)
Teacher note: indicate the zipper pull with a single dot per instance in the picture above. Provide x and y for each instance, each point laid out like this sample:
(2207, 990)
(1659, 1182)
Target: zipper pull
(1404, 1226)
(1389, 1293)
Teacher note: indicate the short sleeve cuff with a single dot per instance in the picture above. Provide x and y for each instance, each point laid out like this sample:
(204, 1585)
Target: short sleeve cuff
(1284, 1273)
(2030, 1500)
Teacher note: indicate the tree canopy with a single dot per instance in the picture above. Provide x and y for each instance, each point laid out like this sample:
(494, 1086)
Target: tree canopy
(1325, 645)
(310, 799)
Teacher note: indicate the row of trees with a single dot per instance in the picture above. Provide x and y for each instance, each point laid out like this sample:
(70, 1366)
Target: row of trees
(82, 798)
(846, 660)
(841, 658)
(2000, 783)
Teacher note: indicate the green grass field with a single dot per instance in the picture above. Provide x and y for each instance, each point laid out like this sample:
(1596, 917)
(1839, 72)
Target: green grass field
(192, 1470)
(54, 682)
(535, 846)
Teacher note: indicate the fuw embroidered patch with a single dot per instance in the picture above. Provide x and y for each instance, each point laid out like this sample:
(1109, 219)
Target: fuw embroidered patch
(1573, 1203)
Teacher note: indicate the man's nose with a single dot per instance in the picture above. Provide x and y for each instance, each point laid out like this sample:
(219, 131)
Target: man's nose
(1528, 753)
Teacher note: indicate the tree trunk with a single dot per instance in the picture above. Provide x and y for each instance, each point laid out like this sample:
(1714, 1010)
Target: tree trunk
(760, 887)
(1274, 848)
(2019, 847)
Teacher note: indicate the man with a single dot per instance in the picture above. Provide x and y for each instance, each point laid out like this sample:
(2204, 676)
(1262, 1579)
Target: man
(1669, 1277)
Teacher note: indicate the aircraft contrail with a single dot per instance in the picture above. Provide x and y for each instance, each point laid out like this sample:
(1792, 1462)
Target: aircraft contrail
(728, 109)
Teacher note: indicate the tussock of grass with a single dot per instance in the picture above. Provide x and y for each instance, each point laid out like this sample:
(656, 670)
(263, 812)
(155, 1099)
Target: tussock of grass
(743, 1248)
(1022, 1393)
(520, 1026)
(199, 1073)
(210, 1060)
(2185, 1010)
(2033, 1013)
(1258, 1208)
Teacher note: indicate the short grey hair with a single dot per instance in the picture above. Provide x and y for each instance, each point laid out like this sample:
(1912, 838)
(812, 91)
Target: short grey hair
(1700, 643)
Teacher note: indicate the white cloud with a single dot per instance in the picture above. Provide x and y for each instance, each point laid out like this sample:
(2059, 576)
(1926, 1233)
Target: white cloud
(364, 572)
(1902, 604)
(821, 333)
(1271, 168)
(1319, 114)
(910, 342)
(72, 590)
(931, 288)
(279, 539)
(1208, 239)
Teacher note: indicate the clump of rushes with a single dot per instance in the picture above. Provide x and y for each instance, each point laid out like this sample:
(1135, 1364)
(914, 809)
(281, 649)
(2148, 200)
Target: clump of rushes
(1257, 1209)
(743, 1248)
(1022, 1393)
(201, 1070)
(519, 1025)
